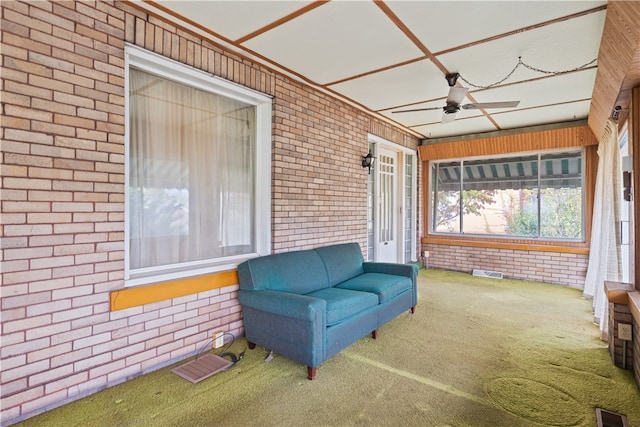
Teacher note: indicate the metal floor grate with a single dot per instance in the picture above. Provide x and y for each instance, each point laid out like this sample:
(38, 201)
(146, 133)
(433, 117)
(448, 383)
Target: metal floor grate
(202, 367)
(487, 273)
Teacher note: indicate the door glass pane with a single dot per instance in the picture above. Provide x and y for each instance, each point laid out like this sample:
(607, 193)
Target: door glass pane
(408, 206)
(386, 167)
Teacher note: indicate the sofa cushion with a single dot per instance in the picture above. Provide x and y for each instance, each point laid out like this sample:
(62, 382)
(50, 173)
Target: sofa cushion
(297, 272)
(342, 261)
(344, 303)
(385, 286)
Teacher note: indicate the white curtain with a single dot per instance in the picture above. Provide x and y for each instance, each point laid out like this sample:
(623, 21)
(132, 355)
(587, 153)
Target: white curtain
(604, 253)
(190, 173)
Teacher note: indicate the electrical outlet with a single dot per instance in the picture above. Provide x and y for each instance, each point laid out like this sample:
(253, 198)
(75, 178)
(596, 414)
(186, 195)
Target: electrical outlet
(624, 331)
(218, 339)
(425, 254)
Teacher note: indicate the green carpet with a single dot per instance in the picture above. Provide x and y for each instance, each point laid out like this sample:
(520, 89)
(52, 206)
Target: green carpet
(477, 352)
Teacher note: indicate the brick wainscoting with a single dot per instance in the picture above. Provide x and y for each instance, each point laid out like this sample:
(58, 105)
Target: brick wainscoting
(622, 355)
(624, 307)
(565, 269)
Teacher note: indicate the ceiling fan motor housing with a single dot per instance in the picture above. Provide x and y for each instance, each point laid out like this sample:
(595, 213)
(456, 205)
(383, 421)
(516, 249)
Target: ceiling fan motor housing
(451, 108)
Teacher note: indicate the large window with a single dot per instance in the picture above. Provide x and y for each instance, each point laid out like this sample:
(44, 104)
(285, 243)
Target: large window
(195, 171)
(531, 196)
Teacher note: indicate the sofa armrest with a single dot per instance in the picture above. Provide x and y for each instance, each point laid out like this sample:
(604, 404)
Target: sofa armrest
(286, 304)
(408, 270)
(290, 324)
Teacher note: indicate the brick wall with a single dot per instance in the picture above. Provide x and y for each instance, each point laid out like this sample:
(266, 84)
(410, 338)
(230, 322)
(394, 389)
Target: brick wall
(549, 267)
(319, 189)
(620, 313)
(63, 197)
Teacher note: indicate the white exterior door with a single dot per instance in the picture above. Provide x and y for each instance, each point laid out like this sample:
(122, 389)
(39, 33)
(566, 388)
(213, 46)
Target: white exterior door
(387, 215)
(391, 203)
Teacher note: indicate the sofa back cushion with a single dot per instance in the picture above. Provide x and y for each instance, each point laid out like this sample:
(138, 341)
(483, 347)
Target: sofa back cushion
(342, 261)
(298, 272)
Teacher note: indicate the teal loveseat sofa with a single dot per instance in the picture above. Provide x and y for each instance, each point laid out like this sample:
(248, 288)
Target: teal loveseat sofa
(308, 305)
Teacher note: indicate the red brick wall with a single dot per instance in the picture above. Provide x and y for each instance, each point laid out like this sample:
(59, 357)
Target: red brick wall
(550, 267)
(63, 197)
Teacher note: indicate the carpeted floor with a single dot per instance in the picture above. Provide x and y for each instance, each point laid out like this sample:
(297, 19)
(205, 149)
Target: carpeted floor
(477, 352)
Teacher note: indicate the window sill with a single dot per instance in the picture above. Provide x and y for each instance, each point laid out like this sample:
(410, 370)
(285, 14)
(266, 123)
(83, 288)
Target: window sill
(141, 295)
(579, 248)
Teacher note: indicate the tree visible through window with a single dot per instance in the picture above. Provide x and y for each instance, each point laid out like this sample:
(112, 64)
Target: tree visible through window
(530, 196)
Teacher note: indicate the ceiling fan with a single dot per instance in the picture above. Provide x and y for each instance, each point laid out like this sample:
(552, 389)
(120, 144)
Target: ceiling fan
(455, 97)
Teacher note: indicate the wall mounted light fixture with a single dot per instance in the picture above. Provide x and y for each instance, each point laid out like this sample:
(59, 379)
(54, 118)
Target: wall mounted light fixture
(367, 161)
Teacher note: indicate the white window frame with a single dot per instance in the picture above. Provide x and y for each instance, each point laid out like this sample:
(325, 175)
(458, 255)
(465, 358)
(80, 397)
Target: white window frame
(181, 73)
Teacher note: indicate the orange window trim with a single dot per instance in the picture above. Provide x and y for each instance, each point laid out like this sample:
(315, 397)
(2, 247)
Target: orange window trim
(557, 247)
(133, 297)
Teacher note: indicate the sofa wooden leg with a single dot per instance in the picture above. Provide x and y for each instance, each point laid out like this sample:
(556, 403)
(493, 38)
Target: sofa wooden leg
(374, 334)
(413, 309)
(251, 345)
(311, 372)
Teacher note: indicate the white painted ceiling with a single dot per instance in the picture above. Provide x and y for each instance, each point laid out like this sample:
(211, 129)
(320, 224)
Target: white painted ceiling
(387, 56)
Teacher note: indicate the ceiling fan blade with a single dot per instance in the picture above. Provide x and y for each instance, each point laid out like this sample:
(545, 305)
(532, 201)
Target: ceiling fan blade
(417, 109)
(478, 105)
(448, 117)
(456, 95)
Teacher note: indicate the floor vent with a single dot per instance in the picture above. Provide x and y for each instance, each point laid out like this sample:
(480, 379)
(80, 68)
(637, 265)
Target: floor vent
(202, 367)
(487, 273)
(610, 419)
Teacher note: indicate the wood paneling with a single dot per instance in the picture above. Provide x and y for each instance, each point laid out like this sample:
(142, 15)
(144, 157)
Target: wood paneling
(577, 136)
(618, 62)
